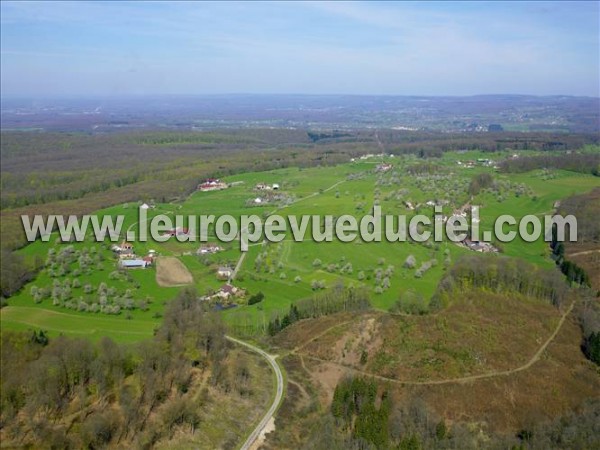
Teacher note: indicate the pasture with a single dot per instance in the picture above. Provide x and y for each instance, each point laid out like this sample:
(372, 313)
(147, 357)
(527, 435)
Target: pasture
(127, 305)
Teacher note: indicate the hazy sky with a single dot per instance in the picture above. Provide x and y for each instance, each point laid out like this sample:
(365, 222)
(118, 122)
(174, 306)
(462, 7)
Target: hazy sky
(115, 48)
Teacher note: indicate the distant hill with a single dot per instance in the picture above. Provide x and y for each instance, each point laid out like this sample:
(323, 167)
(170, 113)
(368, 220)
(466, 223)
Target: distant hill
(474, 113)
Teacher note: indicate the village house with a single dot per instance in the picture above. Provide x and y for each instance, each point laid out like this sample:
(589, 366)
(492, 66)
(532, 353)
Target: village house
(224, 273)
(133, 264)
(266, 187)
(177, 232)
(212, 184)
(208, 249)
(125, 248)
(481, 247)
(149, 260)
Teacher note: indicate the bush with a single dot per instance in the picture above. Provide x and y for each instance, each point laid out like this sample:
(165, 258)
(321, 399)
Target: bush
(256, 298)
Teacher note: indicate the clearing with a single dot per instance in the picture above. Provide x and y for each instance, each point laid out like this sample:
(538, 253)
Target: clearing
(172, 272)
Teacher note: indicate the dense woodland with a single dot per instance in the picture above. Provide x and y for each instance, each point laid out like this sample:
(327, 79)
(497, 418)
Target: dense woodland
(70, 393)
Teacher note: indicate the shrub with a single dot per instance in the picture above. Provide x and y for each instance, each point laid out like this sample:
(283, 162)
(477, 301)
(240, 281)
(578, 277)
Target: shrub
(256, 298)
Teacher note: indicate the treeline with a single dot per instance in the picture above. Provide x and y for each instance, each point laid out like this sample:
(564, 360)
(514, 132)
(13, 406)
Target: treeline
(576, 162)
(433, 144)
(503, 275)
(15, 272)
(335, 300)
(586, 207)
(69, 393)
(588, 313)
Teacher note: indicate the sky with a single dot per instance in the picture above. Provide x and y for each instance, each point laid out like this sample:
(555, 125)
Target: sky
(70, 49)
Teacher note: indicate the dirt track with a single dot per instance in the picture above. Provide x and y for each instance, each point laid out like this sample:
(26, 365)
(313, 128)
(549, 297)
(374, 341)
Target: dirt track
(499, 373)
(172, 272)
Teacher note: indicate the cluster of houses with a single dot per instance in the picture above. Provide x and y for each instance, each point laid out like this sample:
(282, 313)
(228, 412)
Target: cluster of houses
(212, 184)
(129, 260)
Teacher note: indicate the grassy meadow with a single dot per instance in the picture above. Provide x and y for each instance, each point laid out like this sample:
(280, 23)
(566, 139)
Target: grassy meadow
(287, 270)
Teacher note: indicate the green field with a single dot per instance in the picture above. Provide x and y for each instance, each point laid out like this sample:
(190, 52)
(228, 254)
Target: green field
(288, 270)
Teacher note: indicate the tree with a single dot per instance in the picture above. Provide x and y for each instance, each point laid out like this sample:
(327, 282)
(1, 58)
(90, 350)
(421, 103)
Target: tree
(256, 298)
(410, 262)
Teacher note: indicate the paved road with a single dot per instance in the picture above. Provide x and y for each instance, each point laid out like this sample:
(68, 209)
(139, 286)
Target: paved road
(278, 396)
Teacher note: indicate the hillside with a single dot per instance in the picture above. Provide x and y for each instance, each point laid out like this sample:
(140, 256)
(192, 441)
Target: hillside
(508, 342)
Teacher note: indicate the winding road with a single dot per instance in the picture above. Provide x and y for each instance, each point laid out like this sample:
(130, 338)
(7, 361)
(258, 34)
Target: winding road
(278, 396)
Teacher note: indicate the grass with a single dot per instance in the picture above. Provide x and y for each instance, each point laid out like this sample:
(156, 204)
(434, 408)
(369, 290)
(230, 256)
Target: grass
(313, 191)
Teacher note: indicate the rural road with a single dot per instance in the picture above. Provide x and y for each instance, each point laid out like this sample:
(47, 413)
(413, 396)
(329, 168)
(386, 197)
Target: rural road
(278, 396)
(243, 255)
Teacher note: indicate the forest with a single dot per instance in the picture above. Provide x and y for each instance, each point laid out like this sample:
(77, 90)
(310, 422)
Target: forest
(70, 393)
(366, 415)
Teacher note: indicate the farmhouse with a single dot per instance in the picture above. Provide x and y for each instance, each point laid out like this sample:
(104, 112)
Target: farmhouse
(126, 248)
(149, 260)
(262, 187)
(177, 232)
(266, 187)
(212, 184)
(133, 263)
(481, 247)
(208, 249)
(224, 273)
